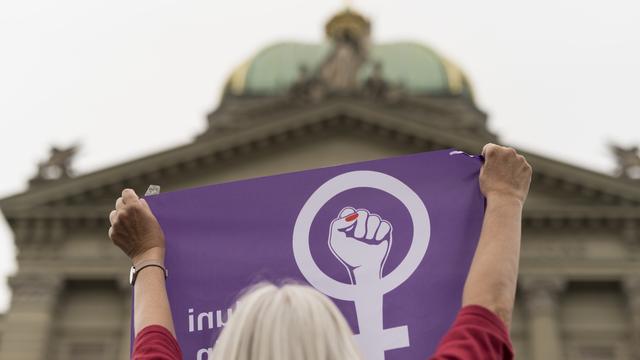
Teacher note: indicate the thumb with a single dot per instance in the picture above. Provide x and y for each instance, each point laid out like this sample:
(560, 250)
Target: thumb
(485, 148)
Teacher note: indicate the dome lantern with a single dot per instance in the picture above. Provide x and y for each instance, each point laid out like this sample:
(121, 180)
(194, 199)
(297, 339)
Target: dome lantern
(348, 26)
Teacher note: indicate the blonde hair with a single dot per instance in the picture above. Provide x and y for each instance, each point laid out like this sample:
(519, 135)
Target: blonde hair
(292, 322)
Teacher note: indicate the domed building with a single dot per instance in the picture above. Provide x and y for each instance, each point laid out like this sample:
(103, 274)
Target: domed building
(296, 106)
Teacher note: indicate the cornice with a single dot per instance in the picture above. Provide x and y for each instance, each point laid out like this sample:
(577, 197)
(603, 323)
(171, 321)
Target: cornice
(454, 114)
(225, 146)
(314, 119)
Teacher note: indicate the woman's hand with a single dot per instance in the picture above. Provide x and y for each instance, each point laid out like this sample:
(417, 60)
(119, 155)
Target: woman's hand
(135, 230)
(505, 173)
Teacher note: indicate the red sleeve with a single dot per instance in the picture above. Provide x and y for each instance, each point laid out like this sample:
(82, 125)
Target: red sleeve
(155, 342)
(477, 333)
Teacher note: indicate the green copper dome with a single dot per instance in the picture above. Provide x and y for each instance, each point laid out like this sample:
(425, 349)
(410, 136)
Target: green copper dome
(414, 67)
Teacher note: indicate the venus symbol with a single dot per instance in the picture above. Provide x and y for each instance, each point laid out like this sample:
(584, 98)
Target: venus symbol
(361, 241)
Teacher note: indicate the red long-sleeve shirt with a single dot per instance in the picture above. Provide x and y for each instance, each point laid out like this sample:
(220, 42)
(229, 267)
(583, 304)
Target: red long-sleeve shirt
(476, 334)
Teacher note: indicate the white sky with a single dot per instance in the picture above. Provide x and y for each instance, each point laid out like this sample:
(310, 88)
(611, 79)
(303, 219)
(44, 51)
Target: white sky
(558, 78)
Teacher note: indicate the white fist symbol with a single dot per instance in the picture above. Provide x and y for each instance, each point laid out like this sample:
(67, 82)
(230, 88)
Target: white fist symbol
(361, 241)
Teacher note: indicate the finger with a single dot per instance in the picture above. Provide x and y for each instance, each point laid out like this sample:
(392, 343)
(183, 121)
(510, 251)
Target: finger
(486, 148)
(111, 233)
(347, 211)
(145, 204)
(344, 222)
(129, 196)
(119, 203)
(383, 230)
(345, 219)
(361, 224)
(373, 221)
(112, 216)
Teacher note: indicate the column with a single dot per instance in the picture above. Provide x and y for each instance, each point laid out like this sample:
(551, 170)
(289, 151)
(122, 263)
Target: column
(28, 323)
(541, 301)
(631, 286)
(125, 341)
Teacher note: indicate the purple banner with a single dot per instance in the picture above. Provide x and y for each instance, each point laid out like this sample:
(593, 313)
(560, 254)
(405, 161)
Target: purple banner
(408, 226)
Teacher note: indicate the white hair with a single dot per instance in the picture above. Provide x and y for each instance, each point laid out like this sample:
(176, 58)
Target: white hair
(292, 322)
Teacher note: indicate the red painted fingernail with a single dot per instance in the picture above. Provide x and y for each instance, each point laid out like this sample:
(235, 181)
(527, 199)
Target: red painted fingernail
(351, 217)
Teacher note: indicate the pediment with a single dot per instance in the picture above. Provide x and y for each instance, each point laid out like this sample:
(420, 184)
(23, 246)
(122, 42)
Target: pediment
(323, 135)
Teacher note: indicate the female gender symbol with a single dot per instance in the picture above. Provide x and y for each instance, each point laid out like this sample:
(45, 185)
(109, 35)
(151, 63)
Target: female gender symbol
(367, 297)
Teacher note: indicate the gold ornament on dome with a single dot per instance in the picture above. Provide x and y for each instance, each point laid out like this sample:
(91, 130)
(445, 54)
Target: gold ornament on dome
(348, 24)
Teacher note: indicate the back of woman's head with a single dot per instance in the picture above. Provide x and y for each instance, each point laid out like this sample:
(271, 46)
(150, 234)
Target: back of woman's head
(292, 322)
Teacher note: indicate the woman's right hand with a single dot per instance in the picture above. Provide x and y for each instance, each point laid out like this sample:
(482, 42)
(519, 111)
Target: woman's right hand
(505, 173)
(135, 230)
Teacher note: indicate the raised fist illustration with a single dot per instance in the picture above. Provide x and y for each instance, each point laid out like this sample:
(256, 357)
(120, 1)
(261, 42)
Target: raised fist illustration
(361, 241)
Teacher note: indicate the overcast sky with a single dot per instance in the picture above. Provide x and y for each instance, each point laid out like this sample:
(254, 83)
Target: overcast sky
(128, 78)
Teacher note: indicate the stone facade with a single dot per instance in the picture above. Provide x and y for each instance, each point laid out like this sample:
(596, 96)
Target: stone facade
(579, 289)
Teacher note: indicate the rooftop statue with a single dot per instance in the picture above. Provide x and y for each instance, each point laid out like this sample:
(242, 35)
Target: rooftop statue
(58, 166)
(628, 159)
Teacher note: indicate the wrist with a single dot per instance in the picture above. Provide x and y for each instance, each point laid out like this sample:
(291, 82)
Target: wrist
(137, 270)
(154, 253)
(504, 199)
(366, 274)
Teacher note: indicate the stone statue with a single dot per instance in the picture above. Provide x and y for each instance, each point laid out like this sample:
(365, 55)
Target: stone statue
(628, 161)
(307, 86)
(58, 165)
(375, 85)
(340, 70)
(338, 74)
